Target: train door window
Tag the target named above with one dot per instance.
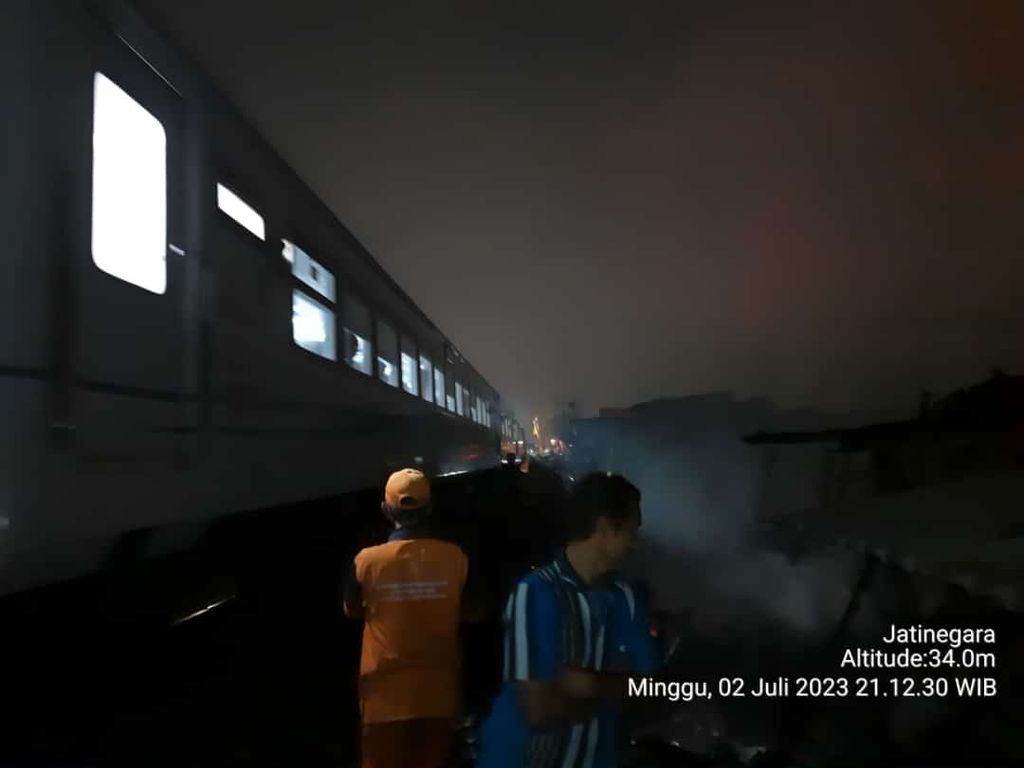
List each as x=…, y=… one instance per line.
x=129, y=188
x=410, y=378
x=358, y=349
x=426, y=379
x=240, y=211
x=387, y=353
x=439, y=387
x=313, y=326
x=309, y=271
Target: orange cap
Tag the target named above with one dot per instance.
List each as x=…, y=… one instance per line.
x=407, y=489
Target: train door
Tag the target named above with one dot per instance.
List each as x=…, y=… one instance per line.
x=132, y=278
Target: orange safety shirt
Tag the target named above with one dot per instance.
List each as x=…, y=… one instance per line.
x=411, y=590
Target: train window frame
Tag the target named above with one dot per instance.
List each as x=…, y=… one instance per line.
x=309, y=271
x=116, y=181
x=359, y=338
x=426, y=373
x=330, y=350
x=408, y=365
x=387, y=342
x=239, y=210
x=440, y=387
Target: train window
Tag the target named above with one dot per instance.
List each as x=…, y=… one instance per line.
x=313, y=326
x=240, y=211
x=439, y=387
x=387, y=353
x=460, y=403
x=410, y=378
x=426, y=379
x=358, y=349
x=449, y=402
x=309, y=271
x=129, y=188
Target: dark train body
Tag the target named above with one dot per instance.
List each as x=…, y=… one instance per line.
x=186, y=331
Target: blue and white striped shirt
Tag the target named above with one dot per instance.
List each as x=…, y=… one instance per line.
x=552, y=620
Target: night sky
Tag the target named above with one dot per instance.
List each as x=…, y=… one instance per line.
x=819, y=202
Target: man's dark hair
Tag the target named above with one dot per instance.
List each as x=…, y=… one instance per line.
x=597, y=495
x=405, y=516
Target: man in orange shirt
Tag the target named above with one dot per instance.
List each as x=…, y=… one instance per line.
x=409, y=593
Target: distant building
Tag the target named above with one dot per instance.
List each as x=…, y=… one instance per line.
x=942, y=493
x=978, y=430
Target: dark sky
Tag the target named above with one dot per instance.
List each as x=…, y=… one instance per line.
x=822, y=202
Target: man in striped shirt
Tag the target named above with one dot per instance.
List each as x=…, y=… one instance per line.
x=574, y=631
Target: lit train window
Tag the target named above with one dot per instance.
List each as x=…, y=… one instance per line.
x=310, y=272
x=460, y=404
x=358, y=349
x=410, y=378
x=313, y=326
x=387, y=353
x=450, y=402
x=439, y=387
x=129, y=189
x=426, y=379
x=357, y=352
x=240, y=211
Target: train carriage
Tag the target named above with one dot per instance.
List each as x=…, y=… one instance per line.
x=186, y=331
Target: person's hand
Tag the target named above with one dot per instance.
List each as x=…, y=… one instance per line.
x=578, y=683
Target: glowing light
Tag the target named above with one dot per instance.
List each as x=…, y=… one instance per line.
x=309, y=270
x=201, y=611
x=240, y=211
x=358, y=352
x=312, y=326
x=409, y=377
x=387, y=371
x=129, y=189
